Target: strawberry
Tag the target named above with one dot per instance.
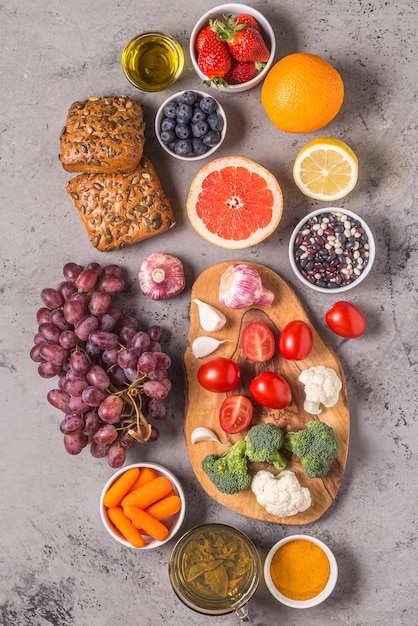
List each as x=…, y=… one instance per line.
x=214, y=59
x=240, y=72
x=249, y=20
x=245, y=43
x=203, y=36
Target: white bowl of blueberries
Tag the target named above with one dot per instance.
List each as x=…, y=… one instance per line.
x=190, y=125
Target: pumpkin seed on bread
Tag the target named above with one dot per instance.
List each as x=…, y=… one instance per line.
x=118, y=210
x=102, y=135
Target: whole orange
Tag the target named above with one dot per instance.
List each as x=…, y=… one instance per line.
x=302, y=93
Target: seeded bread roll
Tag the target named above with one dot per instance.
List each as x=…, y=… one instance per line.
x=118, y=210
x=102, y=135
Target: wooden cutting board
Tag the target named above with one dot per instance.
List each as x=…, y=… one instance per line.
x=202, y=407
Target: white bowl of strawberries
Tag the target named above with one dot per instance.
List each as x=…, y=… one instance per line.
x=232, y=47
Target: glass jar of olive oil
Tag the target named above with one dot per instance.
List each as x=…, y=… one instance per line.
x=152, y=61
x=215, y=569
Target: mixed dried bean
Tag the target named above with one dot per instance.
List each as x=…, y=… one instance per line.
x=331, y=250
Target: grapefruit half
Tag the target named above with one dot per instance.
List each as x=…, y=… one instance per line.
x=234, y=202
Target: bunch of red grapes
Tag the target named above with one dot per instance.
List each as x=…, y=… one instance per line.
x=111, y=375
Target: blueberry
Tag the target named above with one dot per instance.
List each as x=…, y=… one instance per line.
x=168, y=136
x=187, y=97
x=170, y=109
x=198, y=116
x=190, y=125
x=199, y=147
x=212, y=138
x=168, y=123
x=184, y=112
x=183, y=147
x=208, y=105
x=215, y=122
x=199, y=129
x=182, y=131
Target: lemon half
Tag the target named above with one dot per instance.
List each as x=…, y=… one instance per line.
x=326, y=169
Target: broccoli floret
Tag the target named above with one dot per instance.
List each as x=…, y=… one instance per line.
x=316, y=447
x=229, y=471
x=263, y=444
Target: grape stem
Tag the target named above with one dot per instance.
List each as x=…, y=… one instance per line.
x=131, y=395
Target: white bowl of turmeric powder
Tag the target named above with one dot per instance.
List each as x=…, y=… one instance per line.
x=300, y=571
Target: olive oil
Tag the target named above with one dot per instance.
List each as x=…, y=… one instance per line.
x=152, y=61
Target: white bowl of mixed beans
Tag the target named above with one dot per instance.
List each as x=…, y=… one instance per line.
x=332, y=250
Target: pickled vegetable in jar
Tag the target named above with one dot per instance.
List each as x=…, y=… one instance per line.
x=214, y=569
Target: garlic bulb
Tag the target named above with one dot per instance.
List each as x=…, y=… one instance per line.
x=161, y=276
x=240, y=286
x=210, y=318
x=202, y=346
x=201, y=433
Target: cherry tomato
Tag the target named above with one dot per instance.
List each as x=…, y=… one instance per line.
x=258, y=342
x=219, y=375
x=271, y=390
x=296, y=340
x=346, y=319
x=235, y=414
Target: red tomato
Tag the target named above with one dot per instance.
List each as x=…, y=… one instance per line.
x=296, y=340
x=271, y=390
x=219, y=375
x=258, y=342
x=346, y=319
x=235, y=414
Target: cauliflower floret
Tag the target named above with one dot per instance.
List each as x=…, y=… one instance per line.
x=322, y=386
x=280, y=495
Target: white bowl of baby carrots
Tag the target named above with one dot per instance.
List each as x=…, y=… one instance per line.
x=142, y=506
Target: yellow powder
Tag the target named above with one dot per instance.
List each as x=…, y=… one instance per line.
x=300, y=569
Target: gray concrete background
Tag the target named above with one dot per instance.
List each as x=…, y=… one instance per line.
x=58, y=566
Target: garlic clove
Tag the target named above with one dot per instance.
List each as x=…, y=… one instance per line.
x=210, y=318
x=161, y=276
x=201, y=433
x=202, y=346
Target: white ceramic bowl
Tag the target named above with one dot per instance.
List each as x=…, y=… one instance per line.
x=301, y=604
x=173, y=523
x=235, y=9
x=161, y=115
x=364, y=269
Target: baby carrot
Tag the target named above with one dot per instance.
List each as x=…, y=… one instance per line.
x=125, y=526
x=148, y=524
x=149, y=493
x=120, y=487
x=165, y=507
x=145, y=475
